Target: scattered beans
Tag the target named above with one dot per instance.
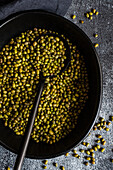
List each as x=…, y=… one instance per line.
x=92, y=154
x=55, y=164
x=84, y=143
x=87, y=152
x=81, y=21
x=87, y=144
x=91, y=13
x=88, y=158
x=102, y=119
x=97, y=13
x=99, y=136
x=75, y=155
x=103, y=143
x=45, y=162
x=96, y=45
x=62, y=168
x=107, y=129
x=104, y=123
x=87, y=15
x=93, y=159
x=99, y=128
x=111, y=118
x=74, y=151
x=103, y=127
x=98, y=141
x=73, y=16
x=8, y=168
x=108, y=123
x=86, y=163
x=95, y=148
x=94, y=128
x=90, y=17
x=101, y=124
x=66, y=154
x=82, y=150
x=102, y=139
x=91, y=150
x=44, y=167
x=98, y=124
x=94, y=11
x=98, y=146
x=93, y=162
x=102, y=149
x=89, y=134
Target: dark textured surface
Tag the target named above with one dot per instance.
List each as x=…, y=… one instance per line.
x=3, y=2
x=58, y=6
x=103, y=25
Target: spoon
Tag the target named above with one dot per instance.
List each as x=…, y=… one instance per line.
x=29, y=127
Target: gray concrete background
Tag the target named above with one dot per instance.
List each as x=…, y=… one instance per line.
x=103, y=26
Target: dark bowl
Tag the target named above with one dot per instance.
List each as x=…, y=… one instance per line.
x=30, y=19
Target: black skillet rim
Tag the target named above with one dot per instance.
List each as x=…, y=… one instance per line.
x=16, y=15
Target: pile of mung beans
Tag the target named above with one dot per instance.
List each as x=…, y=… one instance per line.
x=63, y=96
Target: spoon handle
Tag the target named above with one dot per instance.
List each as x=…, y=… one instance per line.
x=26, y=137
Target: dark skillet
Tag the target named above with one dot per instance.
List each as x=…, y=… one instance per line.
x=41, y=19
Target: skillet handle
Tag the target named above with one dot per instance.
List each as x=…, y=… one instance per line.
x=26, y=137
